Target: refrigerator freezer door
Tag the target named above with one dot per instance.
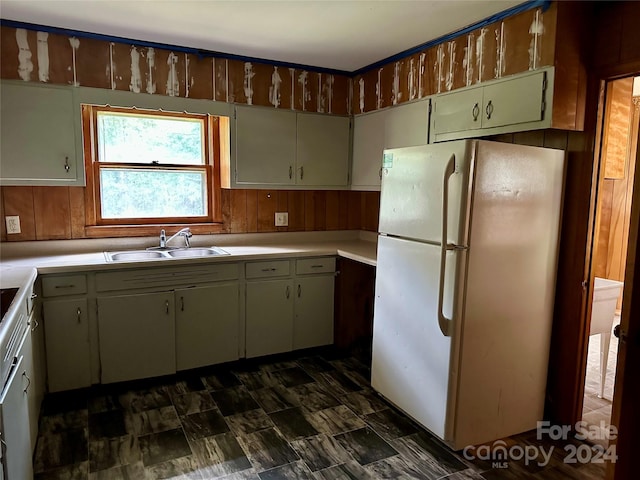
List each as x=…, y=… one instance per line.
x=410, y=365
x=412, y=183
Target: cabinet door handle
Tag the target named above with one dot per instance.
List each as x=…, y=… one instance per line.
x=24, y=374
x=166, y=306
x=290, y=172
x=475, y=112
x=288, y=291
x=301, y=173
x=181, y=304
x=79, y=313
x=380, y=173
x=299, y=290
x=67, y=167
x=489, y=110
x=36, y=324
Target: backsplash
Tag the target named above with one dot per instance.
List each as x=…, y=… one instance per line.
x=57, y=213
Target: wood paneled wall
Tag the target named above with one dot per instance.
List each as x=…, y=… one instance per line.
x=35, y=56
x=519, y=43
x=56, y=213
x=619, y=147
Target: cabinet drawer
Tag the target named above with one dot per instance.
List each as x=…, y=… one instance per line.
x=64, y=285
x=315, y=265
x=278, y=268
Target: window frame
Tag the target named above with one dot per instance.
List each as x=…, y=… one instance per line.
x=96, y=225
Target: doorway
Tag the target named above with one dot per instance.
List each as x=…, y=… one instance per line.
x=621, y=120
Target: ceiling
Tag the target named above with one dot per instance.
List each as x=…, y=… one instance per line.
x=335, y=34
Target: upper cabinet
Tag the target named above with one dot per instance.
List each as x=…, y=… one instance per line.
x=401, y=126
x=519, y=103
x=38, y=135
x=294, y=150
x=265, y=146
x=322, y=150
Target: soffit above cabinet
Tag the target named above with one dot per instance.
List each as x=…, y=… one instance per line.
x=341, y=35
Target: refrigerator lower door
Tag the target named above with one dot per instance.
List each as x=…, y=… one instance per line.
x=411, y=364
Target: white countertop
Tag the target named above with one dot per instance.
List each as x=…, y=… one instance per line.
x=85, y=255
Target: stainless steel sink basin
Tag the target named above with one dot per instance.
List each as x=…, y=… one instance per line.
x=137, y=255
x=134, y=255
x=196, y=252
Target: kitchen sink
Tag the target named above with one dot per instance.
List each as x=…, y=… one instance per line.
x=136, y=255
x=196, y=252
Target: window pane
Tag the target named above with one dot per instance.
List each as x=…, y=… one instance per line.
x=145, y=193
x=125, y=138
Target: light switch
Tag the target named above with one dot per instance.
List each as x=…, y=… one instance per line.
x=13, y=223
x=282, y=219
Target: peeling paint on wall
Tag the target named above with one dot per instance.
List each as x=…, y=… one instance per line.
x=112, y=69
x=151, y=64
x=480, y=54
x=500, y=47
x=329, y=87
x=173, y=84
x=274, y=89
x=320, y=99
x=25, y=65
x=306, y=94
x=411, y=76
x=135, y=83
x=361, y=94
x=43, y=56
x=451, y=55
x=535, y=30
x=423, y=57
x=396, y=94
x=437, y=67
x=467, y=61
x=75, y=45
x=292, y=75
x=379, y=90
x=248, y=82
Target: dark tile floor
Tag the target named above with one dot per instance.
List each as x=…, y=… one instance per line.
x=310, y=416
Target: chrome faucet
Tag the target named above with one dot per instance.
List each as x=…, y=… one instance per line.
x=185, y=232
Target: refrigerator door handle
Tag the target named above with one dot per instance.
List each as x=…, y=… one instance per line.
x=444, y=322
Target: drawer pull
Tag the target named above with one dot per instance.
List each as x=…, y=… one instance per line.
x=317, y=266
x=70, y=285
x=79, y=313
x=268, y=269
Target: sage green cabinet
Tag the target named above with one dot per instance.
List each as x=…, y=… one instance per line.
x=322, y=150
x=66, y=324
x=38, y=131
x=137, y=336
x=269, y=317
x=283, y=148
x=207, y=325
x=313, y=323
x=518, y=103
x=407, y=125
x=368, y=145
x=265, y=146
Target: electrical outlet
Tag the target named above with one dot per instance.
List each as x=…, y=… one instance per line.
x=13, y=223
x=282, y=219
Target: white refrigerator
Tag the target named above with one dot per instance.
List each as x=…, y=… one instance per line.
x=465, y=285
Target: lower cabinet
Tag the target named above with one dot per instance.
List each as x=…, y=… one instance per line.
x=206, y=325
x=67, y=344
x=313, y=323
x=269, y=317
x=16, y=439
x=136, y=336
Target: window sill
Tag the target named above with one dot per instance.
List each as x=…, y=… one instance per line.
x=103, y=231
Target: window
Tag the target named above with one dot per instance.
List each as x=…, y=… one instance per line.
x=150, y=167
